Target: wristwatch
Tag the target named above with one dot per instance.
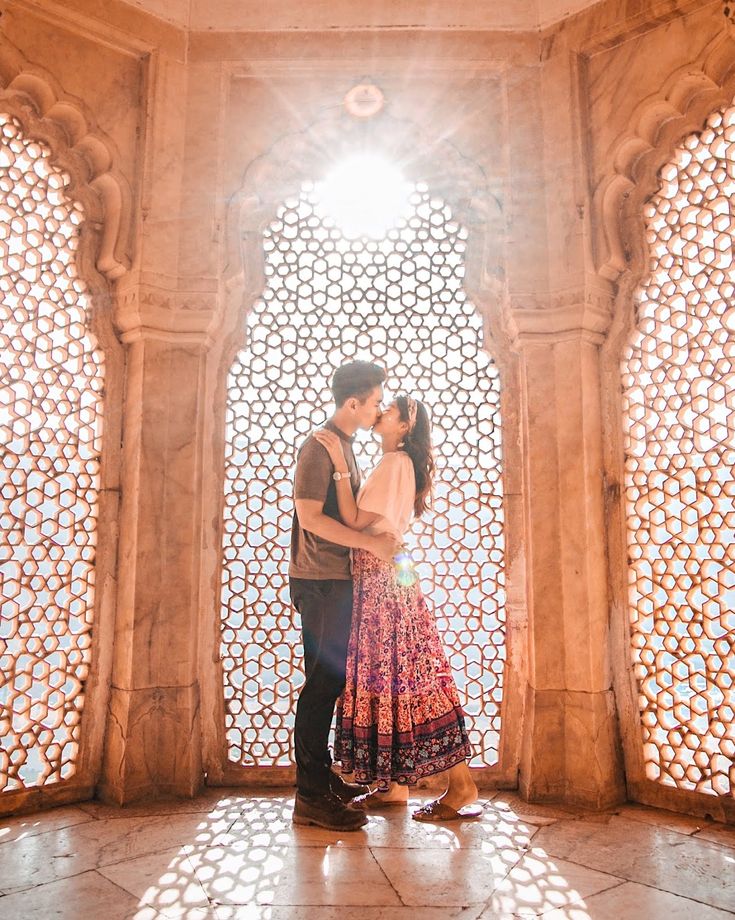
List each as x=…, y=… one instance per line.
x=337, y=476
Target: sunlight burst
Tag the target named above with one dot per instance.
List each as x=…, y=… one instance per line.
x=364, y=195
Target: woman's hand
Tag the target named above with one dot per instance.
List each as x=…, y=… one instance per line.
x=333, y=444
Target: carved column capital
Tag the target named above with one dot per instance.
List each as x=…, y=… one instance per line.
x=583, y=312
x=180, y=311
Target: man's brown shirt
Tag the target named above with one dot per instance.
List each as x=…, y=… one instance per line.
x=311, y=556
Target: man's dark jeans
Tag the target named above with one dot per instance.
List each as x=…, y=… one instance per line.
x=326, y=613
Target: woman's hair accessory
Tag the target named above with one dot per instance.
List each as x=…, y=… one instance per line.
x=412, y=410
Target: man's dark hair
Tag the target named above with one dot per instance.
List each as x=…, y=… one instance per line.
x=358, y=379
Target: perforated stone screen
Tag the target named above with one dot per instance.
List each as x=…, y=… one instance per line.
x=50, y=427
x=679, y=407
x=328, y=300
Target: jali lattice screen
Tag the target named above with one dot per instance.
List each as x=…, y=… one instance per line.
x=50, y=427
x=328, y=300
x=679, y=405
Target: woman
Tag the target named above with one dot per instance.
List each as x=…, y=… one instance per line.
x=399, y=718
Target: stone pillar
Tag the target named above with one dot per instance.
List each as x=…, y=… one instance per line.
x=571, y=748
x=153, y=738
x=153, y=743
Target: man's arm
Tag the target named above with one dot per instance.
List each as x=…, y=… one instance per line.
x=312, y=518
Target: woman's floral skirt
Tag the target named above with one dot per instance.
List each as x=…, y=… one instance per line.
x=399, y=717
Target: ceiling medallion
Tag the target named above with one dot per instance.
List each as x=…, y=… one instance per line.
x=364, y=100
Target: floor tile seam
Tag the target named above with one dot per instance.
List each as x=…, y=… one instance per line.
x=572, y=819
x=54, y=881
x=619, y=882
x=100, y=864
x=438, y=847
x=91, y=806
x=239, y=817
x=52, y=830
x=154, y=814
x=155, y=916
x=564, y=816
x=620, y=879
x=193, y=873
x=42, y=813
x=120, y=888
x=360, y=844
x=686, y=897
x=636, y=881
x=583, y=818
x=572, y=904
x=84, y=824
x=317, y=905
x=727, y=846
x=691, y=835
x=523, y=852
x=383, y=873
x=142, y=904
x=537, y=830
x=673, y=830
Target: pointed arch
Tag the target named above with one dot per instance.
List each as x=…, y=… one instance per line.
x=101, y=197
x=307, y=154
x=476, y=202
x=658, y=125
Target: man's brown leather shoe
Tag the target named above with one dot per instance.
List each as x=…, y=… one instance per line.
x=326, y=810
x=344, y=791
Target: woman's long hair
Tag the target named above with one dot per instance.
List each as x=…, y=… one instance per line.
x=417, y=444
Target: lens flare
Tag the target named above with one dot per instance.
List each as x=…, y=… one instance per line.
x=364, y=195
x=406, y=575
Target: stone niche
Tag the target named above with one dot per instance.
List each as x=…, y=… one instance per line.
x=182, y=136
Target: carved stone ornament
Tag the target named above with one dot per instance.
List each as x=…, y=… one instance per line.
x=84, y=152
x=364, y=100
x=656, y=128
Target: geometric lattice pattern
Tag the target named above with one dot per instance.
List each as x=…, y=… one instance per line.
x=50, y=427
x=679, y=409
x=330, y=299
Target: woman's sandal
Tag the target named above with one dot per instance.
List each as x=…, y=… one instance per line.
x=435, y=812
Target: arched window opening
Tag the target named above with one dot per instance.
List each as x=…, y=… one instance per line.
x=330, y=299
x=679, y=411
x=50, y=433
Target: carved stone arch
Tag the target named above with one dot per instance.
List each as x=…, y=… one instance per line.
x=660, y=124
x=49, y=115
x=657, y=127
x=475, y=198
x=308, y=154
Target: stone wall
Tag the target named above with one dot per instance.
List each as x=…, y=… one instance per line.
x=551, y=142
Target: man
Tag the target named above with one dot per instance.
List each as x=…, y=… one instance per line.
x=321, y=591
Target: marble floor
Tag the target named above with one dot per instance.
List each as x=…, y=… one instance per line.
x=230, y=855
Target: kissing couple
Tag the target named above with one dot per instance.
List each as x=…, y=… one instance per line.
x=371, y=645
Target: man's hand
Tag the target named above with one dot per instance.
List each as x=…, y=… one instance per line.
x=385, y=546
